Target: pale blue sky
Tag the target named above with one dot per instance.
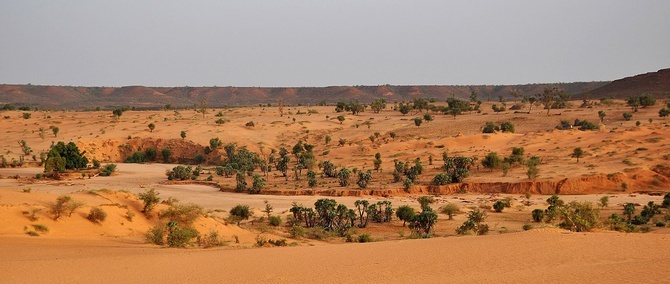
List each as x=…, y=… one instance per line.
x=321, y=43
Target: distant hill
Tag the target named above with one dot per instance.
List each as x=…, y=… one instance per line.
x=656, y=83
x=68, y=97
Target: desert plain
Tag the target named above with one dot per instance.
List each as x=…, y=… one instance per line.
x=624, y=160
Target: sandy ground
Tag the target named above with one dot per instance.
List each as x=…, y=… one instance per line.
x=539, y=256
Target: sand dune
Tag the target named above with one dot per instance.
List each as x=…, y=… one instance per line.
x=541, y=256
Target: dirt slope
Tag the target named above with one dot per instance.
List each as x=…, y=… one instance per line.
x=657, y=83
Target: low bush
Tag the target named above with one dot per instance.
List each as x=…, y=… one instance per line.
x=180, y=236
x=182, y=213
x=275, y=220
x=365, y=238
x=41, y=228
x=498, y=206
x=108, y=170
x=538, y=215
x=97, y=215
x=137, y=157
x=213, y=239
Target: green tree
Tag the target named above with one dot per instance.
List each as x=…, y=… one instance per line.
x=577, y=153
x=257, y=184
x=183, y=134
x=378, y=105
x=166, y=154
x=664, y=112
x=215, y=143
x=629, y=210
x=498, y=206
x=441, y=179
x=423, y=222
x=67, y=155
x=627, y=116
x=344, y=176
x=240, y=212
x=340, y=118
x=364, y=178
x=152, y=127
x=311, y=178
x=418, y=121
x=491, y=161
x=150, y=199
x=425, y=202
x=450, y=209
x=377, y=162
x=404, y=108
x=405, y=213
x=241, y=182
x=55, y=130
x=538, y=215
x=633, y=102
x=117, y=113
x=601, y=115
x=604, y=201
x=474, y=223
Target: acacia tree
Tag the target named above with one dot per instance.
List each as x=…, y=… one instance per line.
x=577, y=153
x=405, y=213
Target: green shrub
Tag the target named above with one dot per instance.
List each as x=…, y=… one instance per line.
x=182, y=213
x=241, y=211
x=365, y=238
x=538, y=215
x=150, y=199
x=450, y=209
x=507, y=127
x=579, y=216
x=297, y=232
x=41, y=228
x=405, y=213
x=275, y=220
x=137, y=157
x=211, y=240
x=441, y=179
x=474, y=225
x=180, y=173
x=64, y=204
x=498, y=206
x=156, y=235
x=180, y=236
x=107, y=170
x=527, y=227
x=32, y=233
x=97, y=215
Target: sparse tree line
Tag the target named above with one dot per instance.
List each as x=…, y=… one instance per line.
x=584, y=216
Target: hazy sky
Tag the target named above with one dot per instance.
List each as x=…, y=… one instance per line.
x=321, y=43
